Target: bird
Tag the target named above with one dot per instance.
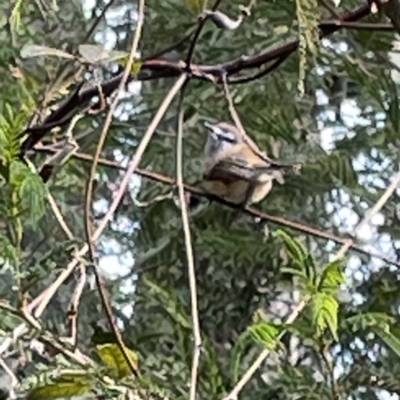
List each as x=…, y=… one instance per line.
x=235, y=169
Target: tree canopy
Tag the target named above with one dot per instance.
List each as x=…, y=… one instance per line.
x=112, y=286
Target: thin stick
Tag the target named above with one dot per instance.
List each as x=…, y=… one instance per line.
x=50, y=292
x=239, y=126
x=189, y=251
x=292, y=317
x=196, y=36
x=19, y=330
x=89, y=190
x=309, y=230
x=72, y=317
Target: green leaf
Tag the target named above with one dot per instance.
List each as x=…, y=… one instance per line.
x=237, y=351
x=8, y=252
x=295, y=249
x=114, y=359
x=295, y=272
x=170, y=305
x=390, y=340
x=155, y=249
x=18, y=173
x=367, y=320
x=11, y=126
x=265, y=333
x=64, y=386
x=136, y=65
x=324, y=309
x=331, y=278
x=32, y=193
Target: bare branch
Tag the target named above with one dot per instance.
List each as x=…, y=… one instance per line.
x=309, y=230
x=89, y=190
x=189, y=250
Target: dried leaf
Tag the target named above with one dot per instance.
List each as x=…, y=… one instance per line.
x=33, y=50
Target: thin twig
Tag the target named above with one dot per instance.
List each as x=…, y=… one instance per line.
x=293, y=316
x=171, y=47
x=161, y=68
x=9, y=372
x=89, y=189
x=50, y=292
x=18, y=331
x=197, y=35
x=72, y=316
x=259, y=74
x=60, y=219
x=309, y=230
x=189, y=250
x=236, y=119
x=331, y=372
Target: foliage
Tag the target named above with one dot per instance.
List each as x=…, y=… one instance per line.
x=270, y=285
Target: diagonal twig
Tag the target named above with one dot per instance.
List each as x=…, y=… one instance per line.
x=89, y=189
x=189, y=250
x=293, y=316
x=196, y=36
x=161, y=68
x=20, y=329
x=252, y=145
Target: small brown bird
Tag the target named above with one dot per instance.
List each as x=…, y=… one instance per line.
x=234, y=167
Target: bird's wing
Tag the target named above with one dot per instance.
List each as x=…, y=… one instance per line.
x=231, y=169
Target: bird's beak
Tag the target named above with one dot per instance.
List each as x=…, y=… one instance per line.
x=210, y=127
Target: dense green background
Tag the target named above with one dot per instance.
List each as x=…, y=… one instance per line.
x=238, y=259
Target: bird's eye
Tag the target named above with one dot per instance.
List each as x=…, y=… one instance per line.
x=224, y=135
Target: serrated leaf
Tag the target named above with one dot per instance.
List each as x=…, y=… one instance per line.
x=324, y=309
x=331, y=278
x=295, y=249
x=114, y=359
x=32, y=193
x=18, y=173
x=63, y=387
x=265, y=334
x=367, y=320
x=33, y=50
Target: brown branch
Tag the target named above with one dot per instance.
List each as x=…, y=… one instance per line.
x=72, y=315
x=189, y=249
x=259, y=74
x=160, y=68
x=309, y=230
x=359, y=26
x=196, y=37
x=89, y=194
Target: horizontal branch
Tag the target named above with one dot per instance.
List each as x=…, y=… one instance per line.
x=160, y=68
x=309, y=230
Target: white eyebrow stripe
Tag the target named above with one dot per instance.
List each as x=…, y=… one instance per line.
x=224, y=135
